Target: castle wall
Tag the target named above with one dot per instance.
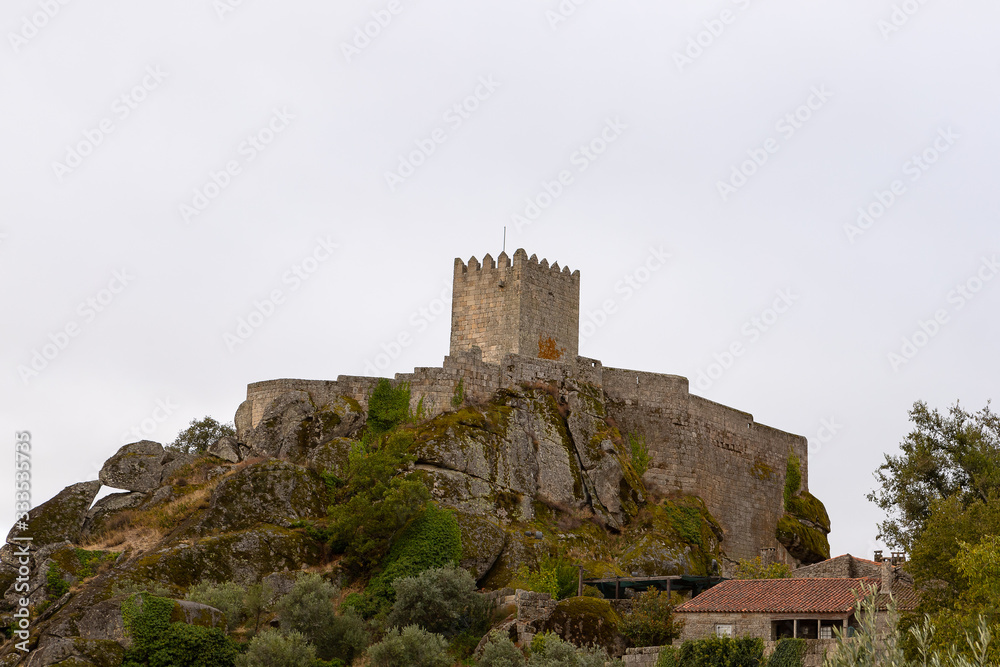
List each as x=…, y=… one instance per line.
x=700, y=447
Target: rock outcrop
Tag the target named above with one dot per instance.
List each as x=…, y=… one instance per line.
x=142, y=466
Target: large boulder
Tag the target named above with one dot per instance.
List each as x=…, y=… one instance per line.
x=61, y=518
x=76, y=652
x=135, y=467
x=107, y=507
x=483, y=541
x=244, y=557
x=270, y=492
x=293, y=425
x=226, y=448
x=586, y=621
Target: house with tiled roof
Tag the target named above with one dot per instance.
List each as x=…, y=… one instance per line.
x=808, y=606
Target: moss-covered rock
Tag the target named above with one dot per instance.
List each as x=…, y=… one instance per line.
x=483, y=541
x=61, y=518
x=293, y=425
x=586, y=621
x=244, y=557
x=331, y=456
x=137, y=466
x=808, y=509
x=270, y=492
x=805, y=543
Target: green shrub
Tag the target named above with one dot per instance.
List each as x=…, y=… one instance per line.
x=375, y=503
x=549, y=650
x=721, y=652
x=651, y=621
x=55, y=585
x=556, y=576
x=756, y=569
x=308, y=609
x=788, y=653
x=501, y=652
x=192, y=646
x=388, y=406
x=442, y=600
x=432, y=540
x=229, y=598
x=200, y=435
x=413, y=647
x=667, y=657
x=640, y=453
x=156, y=642
x=273, y=649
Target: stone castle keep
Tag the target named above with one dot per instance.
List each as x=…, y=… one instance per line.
x=516, y=321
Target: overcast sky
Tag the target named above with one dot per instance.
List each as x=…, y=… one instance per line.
x=205, y=193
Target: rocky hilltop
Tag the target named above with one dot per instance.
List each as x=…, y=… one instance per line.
x=538, y=472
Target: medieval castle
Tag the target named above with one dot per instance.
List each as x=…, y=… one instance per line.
x=516, y=320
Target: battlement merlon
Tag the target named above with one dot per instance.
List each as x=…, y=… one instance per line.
x=515, y=305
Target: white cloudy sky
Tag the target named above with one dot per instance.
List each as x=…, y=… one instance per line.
x=99, y=156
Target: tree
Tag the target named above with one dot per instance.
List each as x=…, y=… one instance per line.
x=954, y=455
x=273, y=649
x=200, y=435
x=308, y=609
x=442, y=600
x=756, y=569
x=651, y=621
x=414, y=647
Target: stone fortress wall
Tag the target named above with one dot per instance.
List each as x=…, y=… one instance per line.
x=697, y=447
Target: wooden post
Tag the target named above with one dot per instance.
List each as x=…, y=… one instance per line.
x=579, y=586
x=795, y=628
x=669, y=581
x=618, y=588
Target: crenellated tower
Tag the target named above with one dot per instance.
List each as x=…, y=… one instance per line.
x=516, y=305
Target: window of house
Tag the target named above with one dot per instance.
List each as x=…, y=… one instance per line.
x=826, y=632
x=724, y=630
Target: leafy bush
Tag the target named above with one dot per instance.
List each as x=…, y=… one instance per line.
x=793, y=479
x=375, y=503
x=229, y=598
x=308, y=609
x=200, y=435
x=156, y=642
x=442, y=600
x=651, y=621
x=721, y=652
x=640, y=453
x=388, y=407
x=788, y=653
x=273, y=649
x=432, y=540
x=413, y=647
x=756, y=569
x=667, y=657
x=192, y=646
x=549, y=650
x=55, y=585
x=501, y=652
x=556, y=576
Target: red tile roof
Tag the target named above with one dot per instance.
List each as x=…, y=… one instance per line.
x=792, y=596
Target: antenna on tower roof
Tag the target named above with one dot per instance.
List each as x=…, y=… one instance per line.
x=504, y=238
